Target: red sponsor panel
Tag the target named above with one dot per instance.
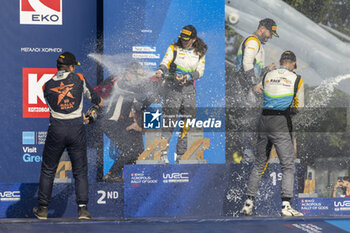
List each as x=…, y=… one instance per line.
x=34, y=105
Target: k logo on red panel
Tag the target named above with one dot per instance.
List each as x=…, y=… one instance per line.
x=34, y=105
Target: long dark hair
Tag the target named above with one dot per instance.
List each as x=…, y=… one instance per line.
x=199, y=46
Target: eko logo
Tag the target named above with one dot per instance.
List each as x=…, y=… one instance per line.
x=34, y=105
x=46, y=12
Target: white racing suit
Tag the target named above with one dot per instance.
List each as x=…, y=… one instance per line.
x=180, y=99
x=250, y=63
x=283, y=95
x=242, y=103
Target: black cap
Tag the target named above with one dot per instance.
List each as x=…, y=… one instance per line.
x=270, y=25
x=288, y=55
x=67, y=58
x=188, y=32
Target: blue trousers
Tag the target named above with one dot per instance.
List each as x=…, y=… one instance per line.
x=61, y=137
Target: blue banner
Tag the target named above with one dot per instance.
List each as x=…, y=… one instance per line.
x=143, y=32
x=33, y=37
x=174, y=190
x=199, y=190
x=18, y=200
x=324, y=206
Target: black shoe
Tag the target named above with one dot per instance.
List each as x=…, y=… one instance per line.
x=110, y=177
x=40, y=212
x=83, y=212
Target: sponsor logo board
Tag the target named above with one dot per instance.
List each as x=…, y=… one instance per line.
x=34, y=105
x=41, y=12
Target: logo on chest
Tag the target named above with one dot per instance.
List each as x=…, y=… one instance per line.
x=65, y=97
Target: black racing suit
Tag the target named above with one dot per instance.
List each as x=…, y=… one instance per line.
x=121, y=100
x=64, y=96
